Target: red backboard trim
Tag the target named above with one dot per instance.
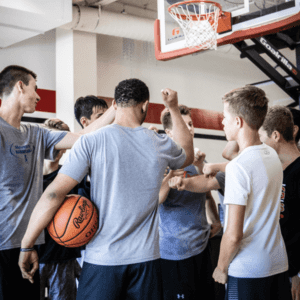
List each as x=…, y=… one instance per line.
x=235, y=37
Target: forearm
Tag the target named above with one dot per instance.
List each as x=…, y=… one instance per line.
x=211, y=209
x=229, y=248
x=200, y=184
x=164, y=190
x=220, y=167
x=41, y=216
x=181, y=135
x=106, y=119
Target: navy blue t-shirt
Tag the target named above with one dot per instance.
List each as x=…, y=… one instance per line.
x=183, y=227
x=290, y=215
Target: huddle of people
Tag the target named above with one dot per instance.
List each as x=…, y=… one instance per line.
x=153, y=236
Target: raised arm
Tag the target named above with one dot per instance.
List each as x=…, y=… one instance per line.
x=181, y=134
x=69, y=140
x=41, y=216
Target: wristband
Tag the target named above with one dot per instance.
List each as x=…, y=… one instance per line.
x=26, y=249
x=298, y=274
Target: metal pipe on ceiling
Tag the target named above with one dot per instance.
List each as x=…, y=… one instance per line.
x=110, y=23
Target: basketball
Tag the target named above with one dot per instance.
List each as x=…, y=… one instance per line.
x=75, y=222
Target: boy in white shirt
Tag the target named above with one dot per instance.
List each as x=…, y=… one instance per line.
x=253, y=260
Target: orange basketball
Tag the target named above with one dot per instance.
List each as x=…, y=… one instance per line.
x=75, y=222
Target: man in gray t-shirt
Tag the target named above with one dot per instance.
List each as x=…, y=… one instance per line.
x=23, y=149
x=127, y=164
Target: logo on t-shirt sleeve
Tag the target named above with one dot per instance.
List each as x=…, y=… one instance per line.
x=282, y=198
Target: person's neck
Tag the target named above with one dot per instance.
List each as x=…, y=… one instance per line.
x=247, y=139
x=288, y=153
x=127, y=117
x=50, y=166
x=11, y=113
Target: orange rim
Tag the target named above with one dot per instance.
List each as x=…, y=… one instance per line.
x=183, y=17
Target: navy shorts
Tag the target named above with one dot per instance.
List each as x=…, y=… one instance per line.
x=59, y=279
x=12, y=284
x=189, y=278
x=276, y=287
x=135, y=281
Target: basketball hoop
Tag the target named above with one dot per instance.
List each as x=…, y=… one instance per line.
x=199, y=22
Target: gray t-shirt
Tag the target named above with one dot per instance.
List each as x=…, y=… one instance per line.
x=127, y=167
x=22, y=155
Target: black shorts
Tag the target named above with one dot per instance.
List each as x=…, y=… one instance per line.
x=12, y=284
x=276, y=287
x=189, y=278
x=140, y=281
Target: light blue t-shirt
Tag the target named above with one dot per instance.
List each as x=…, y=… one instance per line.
x=183, y=227
x=127, y=168
x=22, y=153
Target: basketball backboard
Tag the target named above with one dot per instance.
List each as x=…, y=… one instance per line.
x=249, y=19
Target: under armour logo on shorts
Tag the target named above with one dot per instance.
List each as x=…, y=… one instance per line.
x=180, y=296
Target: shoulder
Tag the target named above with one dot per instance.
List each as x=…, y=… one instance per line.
x=292, y=172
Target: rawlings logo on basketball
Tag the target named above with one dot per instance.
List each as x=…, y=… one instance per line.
x=83, y=214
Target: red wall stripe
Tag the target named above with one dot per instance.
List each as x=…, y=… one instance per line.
x=202, y=118
x=47, y=102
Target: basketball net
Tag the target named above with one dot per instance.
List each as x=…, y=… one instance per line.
x=199, y=22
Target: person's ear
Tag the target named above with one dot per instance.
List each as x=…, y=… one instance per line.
x=145, y=106
x=295, y=131
x=20, y=86
x=239, y=121
x=83, y=121
x=114, y=104
x=276, y=136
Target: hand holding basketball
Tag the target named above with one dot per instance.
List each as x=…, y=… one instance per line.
x=170, y=98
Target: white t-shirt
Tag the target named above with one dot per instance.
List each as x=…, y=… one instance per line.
x=254, y=179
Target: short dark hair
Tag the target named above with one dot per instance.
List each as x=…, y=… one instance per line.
x=279, y=118
x=131, y=92
x=166, y=119
x=296, y=119
x=249, y=103
x=53, y=124
x=84, y=106
x=10, y=75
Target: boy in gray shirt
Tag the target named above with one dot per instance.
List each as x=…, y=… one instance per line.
x=23, y=149
x=127, y=165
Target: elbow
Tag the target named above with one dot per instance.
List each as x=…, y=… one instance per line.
x=236, y=239
x=189, y=157
x=226, y=155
